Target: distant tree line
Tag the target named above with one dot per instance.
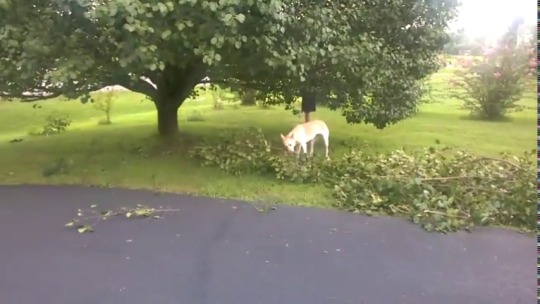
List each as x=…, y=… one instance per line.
x=460, y=43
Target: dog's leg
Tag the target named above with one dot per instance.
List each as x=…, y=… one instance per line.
x=297, y=150
x=326, y=143
x=304, y=147
x=312, y=144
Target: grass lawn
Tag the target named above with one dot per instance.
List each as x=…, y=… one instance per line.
x=128, y=154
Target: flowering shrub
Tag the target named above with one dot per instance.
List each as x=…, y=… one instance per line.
x=491, y=85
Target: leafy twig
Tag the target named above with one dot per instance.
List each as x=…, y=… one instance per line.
x=497, y=160
x=140, y=211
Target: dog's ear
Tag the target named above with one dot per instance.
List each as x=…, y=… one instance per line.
x=282, y=136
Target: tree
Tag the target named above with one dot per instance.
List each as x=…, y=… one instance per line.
x=104, y=103
x=491, y=86
x=248, y=97
x=369, y=56
x=460, y=43
x=457, y=42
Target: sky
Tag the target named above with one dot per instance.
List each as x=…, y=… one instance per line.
x=492, y=17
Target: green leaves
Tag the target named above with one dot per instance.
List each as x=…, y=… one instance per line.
x=237, y=155
x=85, y=228
x=240, y=18
x=366, y=58
x=163, y=9
x=227, y=18
x=441, y=189
x=82, y=225
x=438, y=188
x=165, y=34
x=490, y=87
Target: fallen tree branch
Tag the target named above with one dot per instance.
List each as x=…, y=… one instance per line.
x=497, y=160
x=140, y=211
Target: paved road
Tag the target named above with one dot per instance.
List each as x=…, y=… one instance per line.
x=226, y=252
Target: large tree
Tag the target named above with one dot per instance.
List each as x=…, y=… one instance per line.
x=368, y=57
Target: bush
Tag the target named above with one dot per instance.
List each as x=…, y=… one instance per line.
x=439, y=188
x=238, y=153
x=248, y=97
x=55, y=123
x=491, y=86
x=57, y=167
x=104, y=103
x=301, y=170
x=195, y=115
x=251, y=97
x=218, y=104
x=218, y=98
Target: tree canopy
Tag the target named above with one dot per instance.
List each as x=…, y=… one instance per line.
x=366, y=56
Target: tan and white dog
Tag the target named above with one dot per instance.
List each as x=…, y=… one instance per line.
x=306, y=132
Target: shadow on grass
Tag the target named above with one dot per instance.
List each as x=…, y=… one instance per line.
x=481, y=118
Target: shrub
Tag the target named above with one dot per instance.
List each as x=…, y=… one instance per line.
x=55, y=123
x=303, y=169
x=218, y=98
x=195, y=115
x=57, y=167
x=438, y=188
x=491, y=86
x=251, y=97
x=237, y=153
x=218, y=104
x=248, y=97
x=104, y=103
x=263, y=105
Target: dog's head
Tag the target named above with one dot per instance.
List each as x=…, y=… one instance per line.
x=288, y=142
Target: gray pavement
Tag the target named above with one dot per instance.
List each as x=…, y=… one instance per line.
x=225, y=252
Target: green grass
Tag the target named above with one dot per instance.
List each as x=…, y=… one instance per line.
x=128, y=154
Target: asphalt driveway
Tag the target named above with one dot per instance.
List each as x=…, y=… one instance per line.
x=226, y=252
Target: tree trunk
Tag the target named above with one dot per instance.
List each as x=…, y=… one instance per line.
x=249, y=97
x=306, y=117
x=173, y=87
x=308, y=103
x=167, y=118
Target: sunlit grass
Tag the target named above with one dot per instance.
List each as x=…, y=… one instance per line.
x=128, y=154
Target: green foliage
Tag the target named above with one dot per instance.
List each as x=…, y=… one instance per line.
x=368, y=56
x=248, y=97
x=55, y=123
x=217, y=97
x=238, y=153
x=439, y=188
x=302, y=169
x=57, y=167
x=15, y=140
x=491, y=87
x=87, y=219
x=104, y=103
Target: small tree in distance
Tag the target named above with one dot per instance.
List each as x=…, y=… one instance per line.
x=248, y=97
x=491, y=86
x=104, y=103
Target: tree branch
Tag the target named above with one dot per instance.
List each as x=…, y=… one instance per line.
x=30, y=97
x=137, y=85
x=260, y=86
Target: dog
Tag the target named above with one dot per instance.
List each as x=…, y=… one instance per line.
x=306, y=132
